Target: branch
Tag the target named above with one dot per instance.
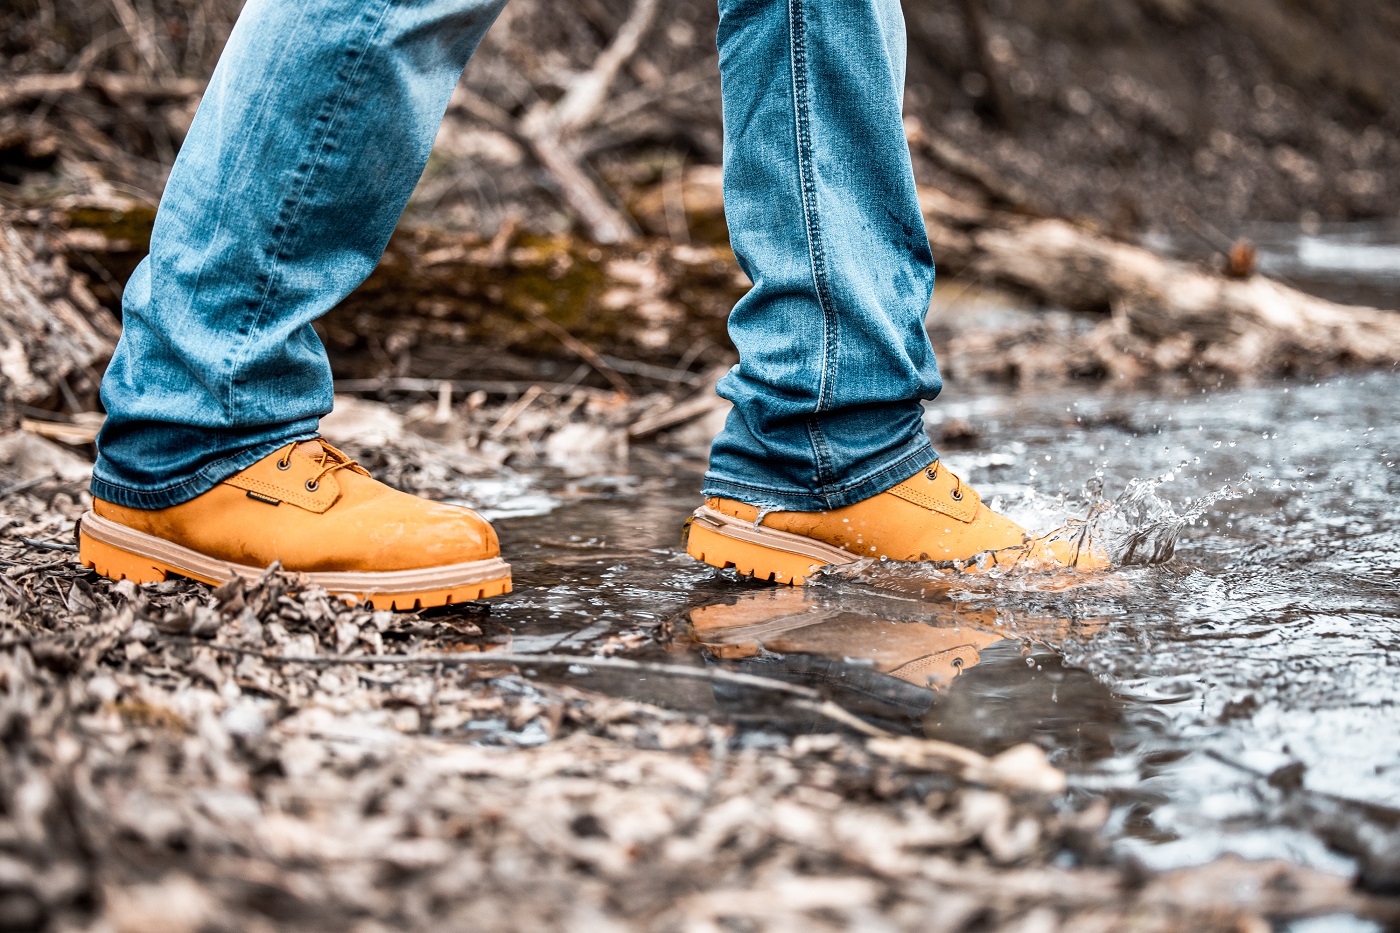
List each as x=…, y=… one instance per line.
x=604, y=223
x=142, y=38
x=801, y=697
x=581, y=103
x=584, y=352
x=545, y=128
x=19, y=88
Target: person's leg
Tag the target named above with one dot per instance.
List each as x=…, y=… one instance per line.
x=824, y=459
x=824, y=218
x=313, y=132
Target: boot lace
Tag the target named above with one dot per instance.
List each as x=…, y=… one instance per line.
x=330, y=460
x=932, y=474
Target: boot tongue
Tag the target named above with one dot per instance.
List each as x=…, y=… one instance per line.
x=311, y=448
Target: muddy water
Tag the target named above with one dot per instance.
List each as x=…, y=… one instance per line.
x=1241, y=694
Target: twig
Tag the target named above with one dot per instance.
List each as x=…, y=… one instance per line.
x=26, y=485
x=49, y=545
x=673, y=197
x=835, y=713
x=465, y=100
x=142, y=39
x=671, y=375
x=603, y=222
x=803, y=697
x=1371, y=809
x=584, y=351
x=515, y=411
x=443, y=413
x=465, y=386
x=957, y=161
x=500, y=243
x=689, y=410
x=14, y=90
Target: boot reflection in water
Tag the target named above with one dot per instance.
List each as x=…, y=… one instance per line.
x=962, y=677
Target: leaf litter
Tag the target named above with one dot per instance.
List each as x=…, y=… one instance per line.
x=266, y=757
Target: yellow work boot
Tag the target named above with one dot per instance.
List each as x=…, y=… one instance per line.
x=931, y=516
x=320, y=514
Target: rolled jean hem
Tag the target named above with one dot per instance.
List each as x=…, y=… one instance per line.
x=884, y=477
x=209, y=476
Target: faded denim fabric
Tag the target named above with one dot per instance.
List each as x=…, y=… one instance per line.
x=823, y=214
x=314, y=130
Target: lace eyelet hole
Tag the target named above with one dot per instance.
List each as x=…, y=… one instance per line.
x=931, y=473
x=957, y=495
x=284, y=464
x=312, y=485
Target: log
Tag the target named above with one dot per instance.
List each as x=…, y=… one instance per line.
x=1244, y=326
x=51, y=327
x=1157, y=315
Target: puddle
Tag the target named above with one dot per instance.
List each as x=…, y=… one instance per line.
x=1241, y=697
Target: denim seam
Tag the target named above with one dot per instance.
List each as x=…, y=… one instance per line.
x=816, y=252
x=208, y=476
x=290, y=210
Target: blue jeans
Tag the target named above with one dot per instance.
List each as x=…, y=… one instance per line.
x=314, y=130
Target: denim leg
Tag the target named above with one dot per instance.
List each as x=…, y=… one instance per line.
x=824, y=217
x=315, y=127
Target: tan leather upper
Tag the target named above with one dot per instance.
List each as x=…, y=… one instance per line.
x=933, y=515
x=313, y=510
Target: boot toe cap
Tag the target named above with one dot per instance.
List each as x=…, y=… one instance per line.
x=440, y=535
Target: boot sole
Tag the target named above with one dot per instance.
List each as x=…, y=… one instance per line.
x=121, y=553
x=754, y=551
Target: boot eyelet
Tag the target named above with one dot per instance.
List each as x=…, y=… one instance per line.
x=931, y=473
x=956, y=494
x=284, y=464
x=312, y=485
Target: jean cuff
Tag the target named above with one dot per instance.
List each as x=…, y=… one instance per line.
x=208, y=476
x=879, y=479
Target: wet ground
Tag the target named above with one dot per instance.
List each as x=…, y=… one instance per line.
x=1237, y=695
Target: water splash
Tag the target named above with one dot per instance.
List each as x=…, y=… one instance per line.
x=1141, y=526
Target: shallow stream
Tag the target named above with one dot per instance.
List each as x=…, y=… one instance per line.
x=1242, y=695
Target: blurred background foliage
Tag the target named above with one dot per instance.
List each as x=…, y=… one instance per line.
x=1138, y=114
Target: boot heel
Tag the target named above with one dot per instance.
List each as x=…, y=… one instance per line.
x=116, y=564
x=752, y=560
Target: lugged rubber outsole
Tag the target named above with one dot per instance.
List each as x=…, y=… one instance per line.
x=117, y=563
x=717, y=544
